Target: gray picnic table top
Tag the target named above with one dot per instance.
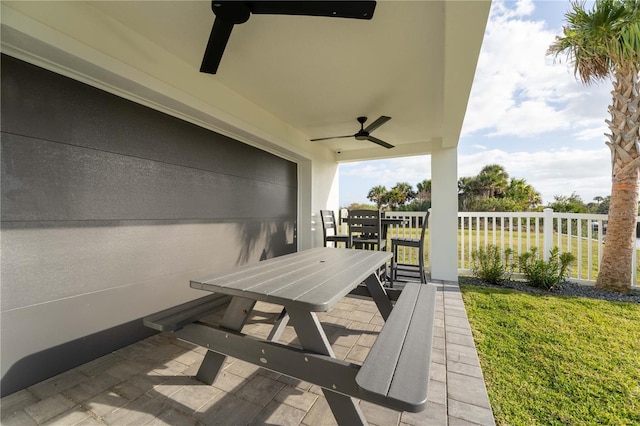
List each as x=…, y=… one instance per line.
x=313, y=280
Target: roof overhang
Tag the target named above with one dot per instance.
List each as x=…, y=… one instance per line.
x=283, y=79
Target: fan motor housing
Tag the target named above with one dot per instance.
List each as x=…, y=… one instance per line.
x=235, y=12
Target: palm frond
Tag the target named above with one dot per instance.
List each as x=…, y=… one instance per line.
x=601, y=40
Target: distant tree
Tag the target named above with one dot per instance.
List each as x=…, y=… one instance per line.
x=568, y=204
x=492, y=204
x=466, y=193
x=600, y=205
x=492, y=181
x=416, y=206
x=358, y=206
x=604, y=43
x=424, y=190
x=377, y=195
x=523, y=194
x=406, y=190
x=395, y=198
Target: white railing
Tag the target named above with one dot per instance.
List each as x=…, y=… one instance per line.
x=580, y=234
x=570, y=232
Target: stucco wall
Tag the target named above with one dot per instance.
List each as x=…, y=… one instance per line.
x=108, y=209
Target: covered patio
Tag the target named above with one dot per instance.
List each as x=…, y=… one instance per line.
x=126, y=171
x=151, y=382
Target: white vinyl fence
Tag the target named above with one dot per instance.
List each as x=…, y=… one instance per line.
x=584, y=235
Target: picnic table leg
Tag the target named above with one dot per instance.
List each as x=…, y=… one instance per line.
x=379, y=295
x=279, y=326
x=312, y=338
x=235, y=317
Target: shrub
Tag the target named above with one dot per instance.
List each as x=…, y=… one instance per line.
x=543, y=274
x=487, y=264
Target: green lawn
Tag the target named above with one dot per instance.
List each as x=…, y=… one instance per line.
x=550, y=360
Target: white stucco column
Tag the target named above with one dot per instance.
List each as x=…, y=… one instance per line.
x=443, y=222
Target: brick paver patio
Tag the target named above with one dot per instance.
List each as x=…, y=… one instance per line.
x=151, y=382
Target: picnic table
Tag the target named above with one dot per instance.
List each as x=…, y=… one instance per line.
x=395, y=374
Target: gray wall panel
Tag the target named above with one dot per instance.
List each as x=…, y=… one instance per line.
x=108, y=209
x=52, y=181
x=42, y=264
x=96, y=119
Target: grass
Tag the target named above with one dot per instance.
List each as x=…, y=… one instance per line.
x=551, y=360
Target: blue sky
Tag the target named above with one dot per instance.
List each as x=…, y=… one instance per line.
x=526, y=112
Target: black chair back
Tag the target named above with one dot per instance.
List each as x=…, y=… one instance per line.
x=365, y=229
x=425, y=225
x=330, y=229
x=328, y=222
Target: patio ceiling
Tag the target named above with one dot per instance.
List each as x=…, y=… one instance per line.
x=283, y=79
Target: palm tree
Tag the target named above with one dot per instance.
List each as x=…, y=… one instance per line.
x=377, y=195
x=601, y=43
x=493, y=180
x=395, y=198
x=424, y=190
x=466, y=192
x=405, y=192
x=523, y=193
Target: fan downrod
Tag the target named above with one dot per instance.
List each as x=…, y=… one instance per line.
x=361, y=135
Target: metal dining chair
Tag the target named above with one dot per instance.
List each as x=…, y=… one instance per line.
x=365, y=229
x=418, y=243
x=330, y=230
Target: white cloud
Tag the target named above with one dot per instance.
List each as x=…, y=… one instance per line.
x=518, y=89
x=522, y=8
x=592, y=133
x=389, y=172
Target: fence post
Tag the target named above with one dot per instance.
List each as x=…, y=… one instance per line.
x=547, y=235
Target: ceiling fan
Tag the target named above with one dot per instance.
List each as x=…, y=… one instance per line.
x=230, y=13
x=364, y=134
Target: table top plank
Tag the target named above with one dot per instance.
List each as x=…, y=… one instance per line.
x=315, y=279
x=346, y=270
x=247, y=276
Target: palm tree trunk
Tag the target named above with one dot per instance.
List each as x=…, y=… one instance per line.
x=615, y=270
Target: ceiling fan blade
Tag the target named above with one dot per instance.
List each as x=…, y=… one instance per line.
x=215, y=47
x=228, y=13
x=335, y=9
x=331, y=137
x=379, y=122
x=379, y=142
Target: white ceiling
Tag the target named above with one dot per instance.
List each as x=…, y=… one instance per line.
x=414, y=61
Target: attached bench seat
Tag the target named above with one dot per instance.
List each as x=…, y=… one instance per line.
x=396, y=370
x=175, y=318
